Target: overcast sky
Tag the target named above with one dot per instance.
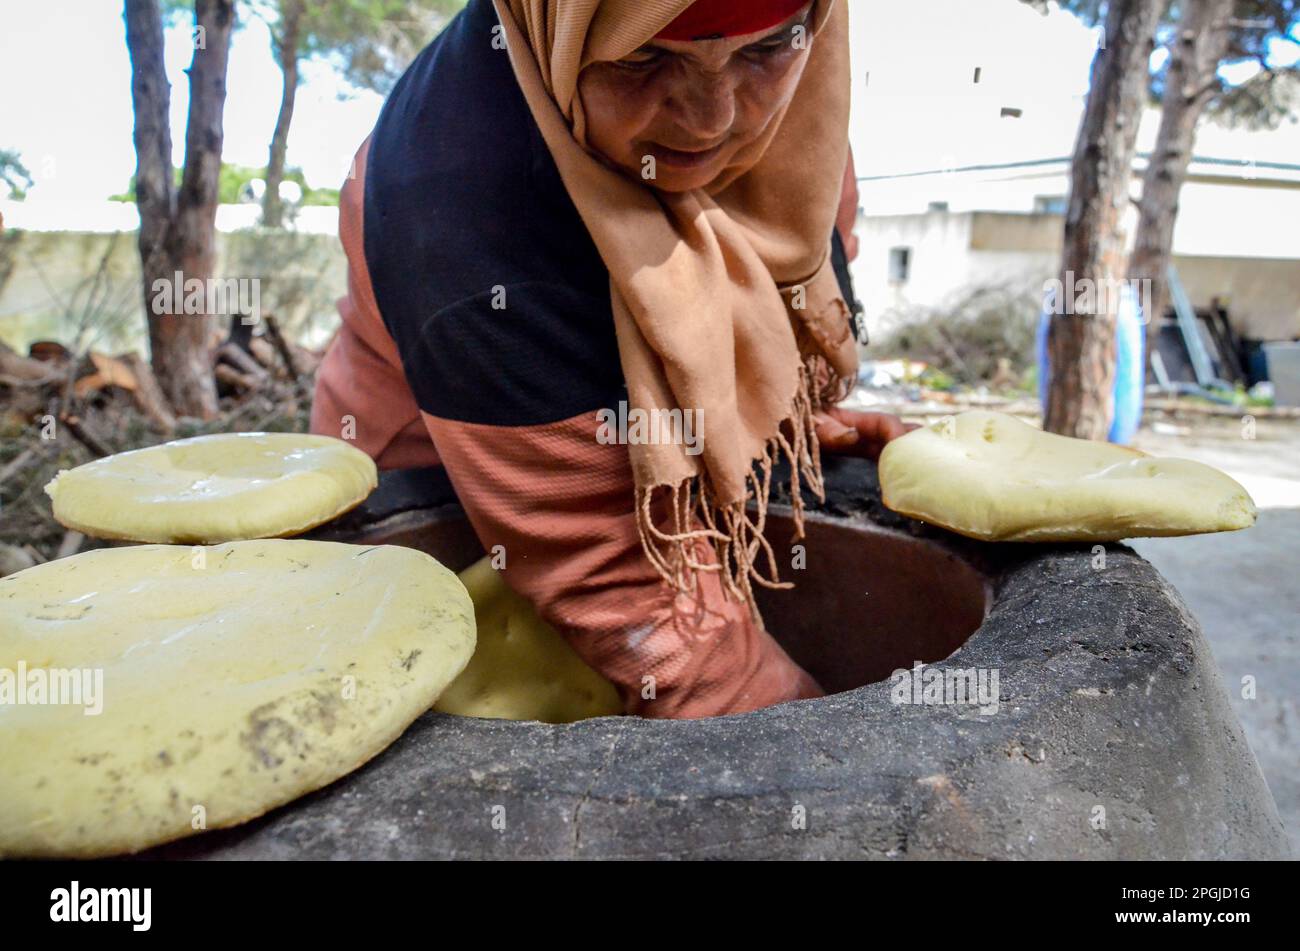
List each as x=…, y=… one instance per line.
x=66, y=105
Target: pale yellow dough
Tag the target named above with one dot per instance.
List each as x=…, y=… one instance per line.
x=992, y=477
x=217, y=488
x=522, y=668
x=234, y=679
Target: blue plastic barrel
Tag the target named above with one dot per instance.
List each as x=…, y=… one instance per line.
x=1130, y=364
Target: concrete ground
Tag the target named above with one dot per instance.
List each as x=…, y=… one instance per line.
x=1244, y=587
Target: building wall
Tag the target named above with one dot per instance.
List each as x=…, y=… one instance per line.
x=953, y=253
x=937, y=265
x=61, y=284
x=1262, y=295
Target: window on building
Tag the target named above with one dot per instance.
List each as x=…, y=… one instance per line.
x=900, y=262
x=1049, y=204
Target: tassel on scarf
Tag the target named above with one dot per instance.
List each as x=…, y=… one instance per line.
x=745, y=557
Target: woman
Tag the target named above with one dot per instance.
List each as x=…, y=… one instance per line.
x=568, y=205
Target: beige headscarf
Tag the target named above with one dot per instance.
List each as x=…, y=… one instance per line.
x=724, y=299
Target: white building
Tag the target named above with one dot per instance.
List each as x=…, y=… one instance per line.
x=931, y=236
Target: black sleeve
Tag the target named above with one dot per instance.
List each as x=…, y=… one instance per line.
x=840, y=261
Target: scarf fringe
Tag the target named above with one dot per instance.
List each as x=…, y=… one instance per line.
x=745, y=557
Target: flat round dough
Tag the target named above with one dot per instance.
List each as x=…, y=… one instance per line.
x=233, y=679
x=522, y=669
x=992, y=477
x=208, y=489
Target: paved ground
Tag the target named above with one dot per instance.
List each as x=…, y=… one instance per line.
x=1244, y=587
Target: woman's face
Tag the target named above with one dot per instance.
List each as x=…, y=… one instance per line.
x=675, y=113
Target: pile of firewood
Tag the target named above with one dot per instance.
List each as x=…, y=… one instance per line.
x=51, y=381
x=248, y=363
x=59, y=409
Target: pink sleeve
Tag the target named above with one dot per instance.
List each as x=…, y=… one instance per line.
x=361, y=390
x=847, y=216
x=560, y=506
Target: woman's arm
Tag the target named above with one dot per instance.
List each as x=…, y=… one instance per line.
x=361, y=392
x=846, y=431
x=851, y=432
x=559, y=505
x=847, y=216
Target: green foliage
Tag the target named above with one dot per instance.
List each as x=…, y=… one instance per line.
x=320, y=196
x=1251, y=399
x=1273, y=94
x=932, y=378
x=965, y=342
x=370, y=42
x=1262, y=101
x=14, y=174
x=1029, y=379
x=129, y=194
x=373, y=41
x=233, y=179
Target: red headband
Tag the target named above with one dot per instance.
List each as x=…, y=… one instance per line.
x=709, y=19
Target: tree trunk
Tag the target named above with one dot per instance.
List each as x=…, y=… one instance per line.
x=177, y=229
x=287, y=51
x=188, y=379
x=1081, y=338
x=154, y=192
x=1191, y=82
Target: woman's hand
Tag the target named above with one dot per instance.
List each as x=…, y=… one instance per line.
x=853, y=433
